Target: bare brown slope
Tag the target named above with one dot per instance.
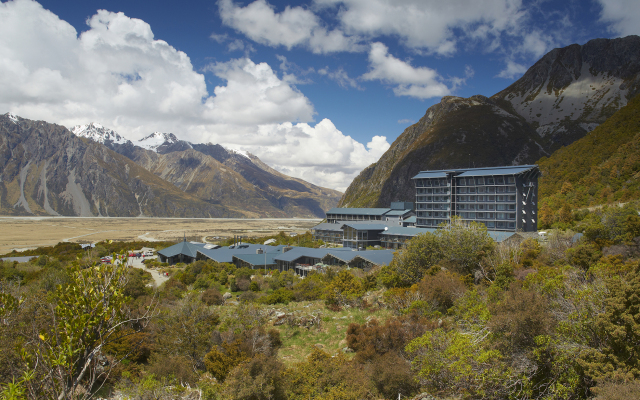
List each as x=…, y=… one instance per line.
x=239, y=184
x=45, y=169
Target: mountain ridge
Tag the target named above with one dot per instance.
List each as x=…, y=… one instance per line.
x=191, y=179
x=508, y=128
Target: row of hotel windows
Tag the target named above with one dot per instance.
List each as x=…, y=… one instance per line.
x=445, y=199
x=488, y=224
x=463, y=190
x=500, y=180
x=467, y=215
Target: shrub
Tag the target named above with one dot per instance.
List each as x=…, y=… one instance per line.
x=212, y=297
x=243, y=284
x=174, y=368
x=442, y=289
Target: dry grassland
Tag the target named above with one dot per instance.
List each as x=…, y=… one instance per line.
x=30, y=232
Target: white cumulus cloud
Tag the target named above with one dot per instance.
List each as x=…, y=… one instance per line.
x=116, y=73
x=622, y=16
x=419, y=82
x=295, y=26
x=434, y=25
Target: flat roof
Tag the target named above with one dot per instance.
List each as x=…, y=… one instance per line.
x=328, y=227
x=462, y=172
x=431, y=174
x=365, y=227
x=394, y=213
x=359, y=211
x=511, y=170
x=407, y=231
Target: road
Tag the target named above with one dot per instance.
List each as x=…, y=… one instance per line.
x=158, y=278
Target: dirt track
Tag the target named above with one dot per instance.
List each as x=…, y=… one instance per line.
x=30, y=232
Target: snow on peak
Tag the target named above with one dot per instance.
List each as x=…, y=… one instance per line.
x=242, y=153
x=98, y=133
x=155, y=140
x=12, y=117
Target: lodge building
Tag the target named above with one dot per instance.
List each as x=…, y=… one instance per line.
x=501, y=198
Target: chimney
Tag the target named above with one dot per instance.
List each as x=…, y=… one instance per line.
x=259, y=251
x=285, y=249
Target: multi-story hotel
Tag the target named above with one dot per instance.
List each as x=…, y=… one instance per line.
x=502, y=198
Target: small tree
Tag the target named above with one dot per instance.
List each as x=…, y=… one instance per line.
x=66, y=361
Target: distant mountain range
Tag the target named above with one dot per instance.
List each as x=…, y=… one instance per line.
x=91, y=170
x=566, y=94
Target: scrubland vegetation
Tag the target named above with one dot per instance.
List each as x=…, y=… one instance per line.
x=455, y=315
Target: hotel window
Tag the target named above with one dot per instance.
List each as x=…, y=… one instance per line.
x=512, y=198
x=491, y=224
x=490, y=207
x=481, y=190
x=500, y=181
x=472, y=215
x=512, y=224
x=490, y=215
x=500, y=224
x=490, y=181
x=472, y=190
x=500, y=189
x=500, y=215
x=480, y=206
x=480, y=181
x=472, y=198
x=501, y=198
x=470, y=182
x=512, y=215
x=500, y=207
x=511, y=179
x=512, y=206
x=480, y=215
x=491, y=189
x=461, y=181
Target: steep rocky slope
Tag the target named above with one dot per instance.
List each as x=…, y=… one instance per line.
x=239, y=182
x=47, y=170
x=600, y=168
x=566, y=94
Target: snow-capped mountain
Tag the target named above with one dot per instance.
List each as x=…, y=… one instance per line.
x=157, y=139
x=99, y=133
x=243, y=153
x=12, y=117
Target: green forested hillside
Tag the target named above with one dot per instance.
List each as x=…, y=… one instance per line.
x=603, y=167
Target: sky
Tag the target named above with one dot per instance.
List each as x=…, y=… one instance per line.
x=317, y=89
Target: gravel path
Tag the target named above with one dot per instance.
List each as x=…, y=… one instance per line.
x=157, y=277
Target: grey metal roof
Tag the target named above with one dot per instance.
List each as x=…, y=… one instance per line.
x=258, y=259
x=365, y=227
x=358, y=211
x=406, y=231
x=186, y=248
x=501, y=236
x=328, y=227
x=431, y=174
x=411, y=219
x=497, y=236
x=462, y=172
x=298, y=252
x=510, y=170
x=397, y=213
x=377, y=257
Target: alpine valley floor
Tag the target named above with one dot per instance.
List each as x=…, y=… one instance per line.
x=22, y=233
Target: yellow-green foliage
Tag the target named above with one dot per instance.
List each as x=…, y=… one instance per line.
x=600, y=168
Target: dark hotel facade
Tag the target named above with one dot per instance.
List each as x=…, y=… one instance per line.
x=502, y=198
